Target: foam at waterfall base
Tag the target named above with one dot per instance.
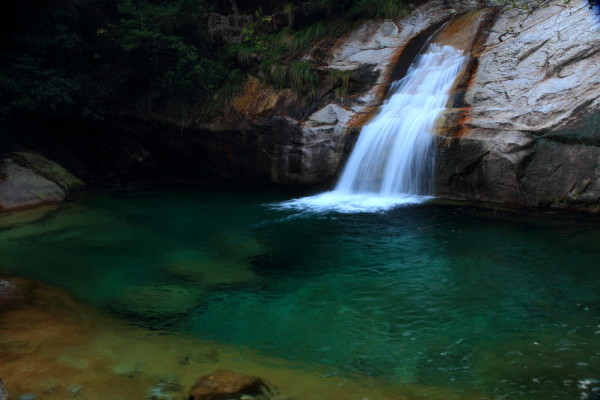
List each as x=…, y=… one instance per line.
x=344, y=202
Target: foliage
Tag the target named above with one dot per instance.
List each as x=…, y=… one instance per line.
x=379, y=8
x=130, y=54
x=107, y=57
x=276, y=55
x=341, y=82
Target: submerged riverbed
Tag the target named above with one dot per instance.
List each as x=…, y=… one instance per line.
x=419, y=301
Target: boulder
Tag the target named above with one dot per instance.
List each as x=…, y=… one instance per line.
x=22, y=188
x=227, y=385
x=48, y=169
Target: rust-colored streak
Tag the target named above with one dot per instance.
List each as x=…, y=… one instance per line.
x=461, y=32
x=361, y=119
x=465, y=32
x=255, y=98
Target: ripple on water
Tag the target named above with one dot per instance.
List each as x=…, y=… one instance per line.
x=393, y=303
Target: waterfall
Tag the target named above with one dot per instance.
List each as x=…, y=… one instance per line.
x=393, y=160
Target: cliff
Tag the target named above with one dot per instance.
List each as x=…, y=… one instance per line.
x=530, y=131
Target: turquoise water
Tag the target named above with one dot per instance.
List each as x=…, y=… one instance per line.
x=504, y=303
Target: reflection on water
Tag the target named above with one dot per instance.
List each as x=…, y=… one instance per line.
x=411, y=302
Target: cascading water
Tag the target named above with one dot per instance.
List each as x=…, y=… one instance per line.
x=393, y=160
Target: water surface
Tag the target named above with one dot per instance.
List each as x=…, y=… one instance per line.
x=430, y=295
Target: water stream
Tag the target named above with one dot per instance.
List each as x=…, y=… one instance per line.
x=393, y=160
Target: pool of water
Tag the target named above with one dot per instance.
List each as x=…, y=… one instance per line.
x=442, y=295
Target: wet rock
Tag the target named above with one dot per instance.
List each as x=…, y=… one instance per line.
x=75, y=389
x=3, y=392
x=161, y=390
x=15, y=292
x=227, y=385
x=27, y=396
x=21, y=188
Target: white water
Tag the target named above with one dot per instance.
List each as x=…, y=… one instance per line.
x=393, y=160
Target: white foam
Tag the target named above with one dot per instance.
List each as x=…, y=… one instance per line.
x=344, y=202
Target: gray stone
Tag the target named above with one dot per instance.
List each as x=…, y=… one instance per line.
x=48, y=169
x=532, y=135
x=22, y=188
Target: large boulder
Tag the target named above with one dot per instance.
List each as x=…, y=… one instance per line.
x=529, y=128
x=227, y=385
x=48, y=169
x=22, y=188
x=28, y=179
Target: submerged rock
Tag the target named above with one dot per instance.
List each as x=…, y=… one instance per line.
x=228, y=385
x=229, y=265
x=27, y=396
x=154, y=303
x=75, y=389
x=161, y=390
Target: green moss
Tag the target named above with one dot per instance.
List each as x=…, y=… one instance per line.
x=49, y=170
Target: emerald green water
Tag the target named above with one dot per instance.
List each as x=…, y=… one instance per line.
x=434, y=294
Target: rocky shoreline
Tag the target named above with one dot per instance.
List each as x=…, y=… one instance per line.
x=55, y=347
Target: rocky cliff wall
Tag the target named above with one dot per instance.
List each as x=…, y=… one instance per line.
x=300, y=143
x=530, y=127
x=525, y=127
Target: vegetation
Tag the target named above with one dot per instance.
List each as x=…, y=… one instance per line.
x=95, y=58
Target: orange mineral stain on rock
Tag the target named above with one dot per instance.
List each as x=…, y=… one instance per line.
x=462, y=31
x=256, y=97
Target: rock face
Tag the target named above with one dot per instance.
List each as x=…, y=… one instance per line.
x=524, y=127
x=277, y=137
x=531, y=131
x=227, y=385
